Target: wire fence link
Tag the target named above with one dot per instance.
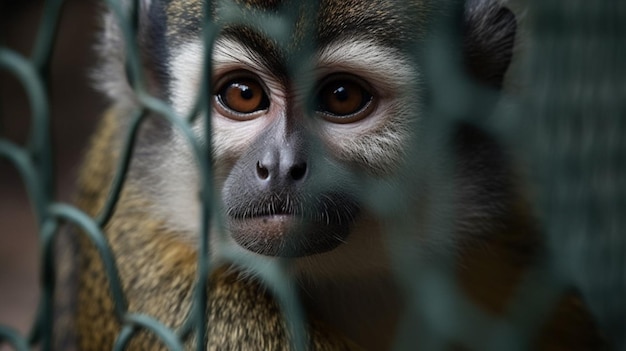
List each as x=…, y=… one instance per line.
x=569, y=126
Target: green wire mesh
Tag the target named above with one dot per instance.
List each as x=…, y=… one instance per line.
x=577, y=118
x=569, y=126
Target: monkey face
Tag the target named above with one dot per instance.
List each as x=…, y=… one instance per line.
x=291, y=158
x=292, y=189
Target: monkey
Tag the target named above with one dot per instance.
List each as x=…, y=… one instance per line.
x=289, y=165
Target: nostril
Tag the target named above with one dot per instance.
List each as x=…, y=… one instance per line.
x=262, y=171
x=298, y=171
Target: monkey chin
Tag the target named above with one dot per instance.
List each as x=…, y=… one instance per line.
x=287, y=235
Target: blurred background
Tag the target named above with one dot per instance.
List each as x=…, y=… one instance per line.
x=74, y=106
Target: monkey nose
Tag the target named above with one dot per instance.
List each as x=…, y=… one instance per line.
x=273, y=170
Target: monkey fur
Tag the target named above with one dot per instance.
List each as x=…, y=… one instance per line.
x=344, y=274
x=243, y=314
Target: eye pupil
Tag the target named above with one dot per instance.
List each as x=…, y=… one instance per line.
x=341, y=94
x=246, y=92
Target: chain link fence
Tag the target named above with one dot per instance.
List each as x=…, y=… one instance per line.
x=568, y=124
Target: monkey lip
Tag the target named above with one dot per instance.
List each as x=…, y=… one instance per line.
x=271, y=226
x=288, y=225
x=287, y=235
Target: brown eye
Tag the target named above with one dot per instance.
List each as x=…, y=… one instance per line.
x=243, y=96
x=343, y=99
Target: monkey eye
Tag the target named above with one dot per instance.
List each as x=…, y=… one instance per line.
x=241, y=96
x=344, y=99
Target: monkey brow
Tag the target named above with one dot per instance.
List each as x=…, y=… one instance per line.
x=267, y=52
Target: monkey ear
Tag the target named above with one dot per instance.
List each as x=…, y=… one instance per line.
x=489, y=39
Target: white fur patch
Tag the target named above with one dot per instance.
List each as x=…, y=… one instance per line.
x=382, y=66
x=186, y=68
x=186, y=72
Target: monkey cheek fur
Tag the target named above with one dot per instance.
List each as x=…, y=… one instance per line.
x=287, y=235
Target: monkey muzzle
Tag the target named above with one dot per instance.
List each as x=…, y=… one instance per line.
x=289, y=227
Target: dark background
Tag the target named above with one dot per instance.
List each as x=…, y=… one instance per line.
x=75, y=108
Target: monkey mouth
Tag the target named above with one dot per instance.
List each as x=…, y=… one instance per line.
x=292, y=228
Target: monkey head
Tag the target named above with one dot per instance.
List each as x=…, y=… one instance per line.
x=300, y=125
